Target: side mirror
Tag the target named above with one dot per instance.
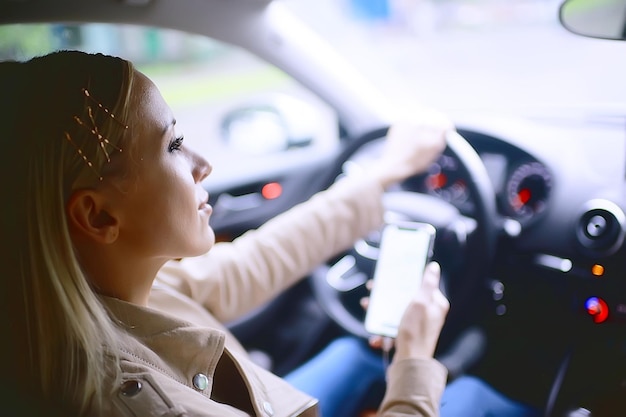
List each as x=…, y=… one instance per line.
x=271, y=124
x=604, y=19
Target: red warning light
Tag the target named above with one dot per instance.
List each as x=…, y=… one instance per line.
x=597, y=308
x=437, y=181
x=271, y=190
x=524, y=195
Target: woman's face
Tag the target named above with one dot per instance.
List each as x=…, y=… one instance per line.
x=161, y=205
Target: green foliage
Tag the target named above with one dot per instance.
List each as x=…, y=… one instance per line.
x=25, y=41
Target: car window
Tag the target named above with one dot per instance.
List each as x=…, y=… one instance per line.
x=505, y=56
x=230, y=105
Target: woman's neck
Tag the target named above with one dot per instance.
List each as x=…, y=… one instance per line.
x=120, y=274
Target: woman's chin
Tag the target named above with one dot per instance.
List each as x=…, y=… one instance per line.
x=209, y=241
x=199, y=247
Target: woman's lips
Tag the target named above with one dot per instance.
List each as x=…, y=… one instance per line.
x=206, y=207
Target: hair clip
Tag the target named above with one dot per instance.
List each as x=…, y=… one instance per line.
x=103, y=142
x=88, y=95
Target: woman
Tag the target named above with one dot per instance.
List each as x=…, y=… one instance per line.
x=115, y=300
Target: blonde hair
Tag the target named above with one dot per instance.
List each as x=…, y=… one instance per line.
x=63, y=334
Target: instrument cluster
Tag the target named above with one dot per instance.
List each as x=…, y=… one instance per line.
x=522, y=184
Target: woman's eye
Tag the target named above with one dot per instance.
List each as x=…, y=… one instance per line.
x=176, y=144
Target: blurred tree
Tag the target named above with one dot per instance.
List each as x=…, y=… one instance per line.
x=24, y=41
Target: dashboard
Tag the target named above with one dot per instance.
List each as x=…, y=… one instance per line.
x=561, y=183
x=556, y=308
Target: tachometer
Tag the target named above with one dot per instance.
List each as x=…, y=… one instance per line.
x=527, y=190
x=444, y=180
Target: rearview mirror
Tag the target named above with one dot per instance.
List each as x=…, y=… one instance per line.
x=604, y=19
x=271, y=124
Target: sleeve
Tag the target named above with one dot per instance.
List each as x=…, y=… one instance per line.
x=414, y=388
x=234, y=278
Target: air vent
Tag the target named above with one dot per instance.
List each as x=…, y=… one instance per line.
x=601, y=227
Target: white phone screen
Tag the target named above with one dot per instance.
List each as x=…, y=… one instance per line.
x=404, y=250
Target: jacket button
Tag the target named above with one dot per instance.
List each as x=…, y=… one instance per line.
x=200, y=382
x=131, y=388
x=267, y=407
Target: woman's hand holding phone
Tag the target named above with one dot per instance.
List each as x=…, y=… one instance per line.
x=422, y=320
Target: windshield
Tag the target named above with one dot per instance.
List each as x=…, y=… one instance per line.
x=503, y=55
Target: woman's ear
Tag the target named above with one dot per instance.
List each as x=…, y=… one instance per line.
x=87, y=217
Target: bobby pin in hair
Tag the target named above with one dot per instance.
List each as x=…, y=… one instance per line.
x=88, y=95
x=102, y=141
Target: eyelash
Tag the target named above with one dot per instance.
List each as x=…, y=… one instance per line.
x=176, y=144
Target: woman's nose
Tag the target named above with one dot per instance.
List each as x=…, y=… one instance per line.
x=201, y=167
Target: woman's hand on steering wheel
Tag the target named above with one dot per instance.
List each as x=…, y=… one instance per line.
x=410, y=147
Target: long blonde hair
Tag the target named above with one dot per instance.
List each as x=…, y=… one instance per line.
x=61, y=334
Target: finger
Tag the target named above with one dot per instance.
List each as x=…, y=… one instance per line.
x=369, y=284
x=441, y=300
x=365, y=302
x=432, y=274
x=376, y=342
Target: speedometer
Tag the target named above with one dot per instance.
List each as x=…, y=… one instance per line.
x=527, y=190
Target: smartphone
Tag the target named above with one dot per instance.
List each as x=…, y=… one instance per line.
x=405, y=248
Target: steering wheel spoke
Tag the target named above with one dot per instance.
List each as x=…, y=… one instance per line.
x=344, y=276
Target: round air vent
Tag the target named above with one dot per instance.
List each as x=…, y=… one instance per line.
x=601, y=227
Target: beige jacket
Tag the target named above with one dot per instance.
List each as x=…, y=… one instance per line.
x=176, y=357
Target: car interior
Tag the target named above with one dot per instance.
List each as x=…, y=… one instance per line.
x=529, y=206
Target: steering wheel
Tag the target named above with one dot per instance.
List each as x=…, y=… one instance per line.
x=464, y=246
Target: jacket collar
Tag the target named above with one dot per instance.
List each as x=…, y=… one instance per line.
x=167, y=344
x=141, y=321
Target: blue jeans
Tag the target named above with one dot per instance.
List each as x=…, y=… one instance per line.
x=342, y=375
x=468, y=396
